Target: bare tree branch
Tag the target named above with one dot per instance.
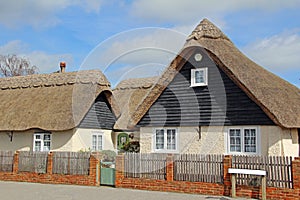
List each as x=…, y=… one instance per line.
x=12, y=65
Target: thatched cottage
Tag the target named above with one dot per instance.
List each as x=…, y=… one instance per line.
x=68, y=111
x=213, y=99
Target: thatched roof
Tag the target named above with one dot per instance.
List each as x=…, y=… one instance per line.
x=129, y=94
x=53, y=102
x=279, y=99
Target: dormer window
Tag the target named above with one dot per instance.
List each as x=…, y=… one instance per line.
x=199, y=77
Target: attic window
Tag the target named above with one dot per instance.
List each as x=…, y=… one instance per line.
x=199, y=77
x=198, y=57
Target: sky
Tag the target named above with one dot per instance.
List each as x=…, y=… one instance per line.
x=138, y=38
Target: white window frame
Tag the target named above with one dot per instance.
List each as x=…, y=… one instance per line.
x=165, y=149
x=193, y=77
x=243, y=152
x=97, y=134
x=42, y=140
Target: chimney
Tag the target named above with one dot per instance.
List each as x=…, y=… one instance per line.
x=62, y=67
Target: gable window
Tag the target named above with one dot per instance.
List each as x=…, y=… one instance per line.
x=42, y=141
x=165, y=139
x=199, y=77
x=97, y=142
x=243, y=141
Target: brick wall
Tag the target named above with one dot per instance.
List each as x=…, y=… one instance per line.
x=170, y=185
x=49, y=177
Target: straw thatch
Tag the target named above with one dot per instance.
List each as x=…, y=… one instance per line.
x=53, y=102
x=129, y=94
x=279, y=99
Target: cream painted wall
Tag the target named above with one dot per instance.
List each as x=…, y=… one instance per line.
x=21, y=141
x=213, y=140
x=189, y=140
x=72, y=140
x=279, y=141
x=82, y=139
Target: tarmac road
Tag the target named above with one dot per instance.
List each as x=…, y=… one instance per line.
x=35, y=191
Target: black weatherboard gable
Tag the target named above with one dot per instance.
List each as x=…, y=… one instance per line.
x=221, y=102
x=100, y=115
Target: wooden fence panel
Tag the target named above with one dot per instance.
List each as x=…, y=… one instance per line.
x=141, y=165
x=198, y=168
x=6, y=161
x=33, y=161
x=279, y=170
x=73, y=163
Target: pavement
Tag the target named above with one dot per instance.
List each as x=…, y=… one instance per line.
x=36, y=191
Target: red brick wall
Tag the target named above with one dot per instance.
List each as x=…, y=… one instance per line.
x=52, y=178
x=170, y=185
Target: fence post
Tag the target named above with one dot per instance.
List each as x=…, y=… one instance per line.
x=50, y=163
x=296, y=172
x=16, y=163
x=120, y=167
x=227, y=163
x=170, y=167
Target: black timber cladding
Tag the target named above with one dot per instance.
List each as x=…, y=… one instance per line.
x=222, y=102
x=100, y=115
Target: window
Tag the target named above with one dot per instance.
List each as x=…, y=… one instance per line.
x=97, y=142
x=199, y=77
x=42, y=142
x=243, y=140
x=165, y=139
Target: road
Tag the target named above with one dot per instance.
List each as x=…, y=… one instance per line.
x=35, y=191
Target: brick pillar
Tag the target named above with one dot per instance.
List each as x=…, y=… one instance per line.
x=94, y=165
x=119, y=169
x=50, y=163
x=296, y=172
x=227, y=163
x=170, y=167
x=16, y=163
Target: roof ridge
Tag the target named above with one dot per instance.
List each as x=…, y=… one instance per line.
x=206, y=29
x=54, y=79
x=135, y=83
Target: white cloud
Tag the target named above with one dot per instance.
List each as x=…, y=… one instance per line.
x=277, y=53
x=91, y=5
x=39, y=13
x=137, y=47
x=46, y=63
x=136, y=53
x=190, y=10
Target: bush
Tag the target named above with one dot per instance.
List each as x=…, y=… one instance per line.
x=133, y=146
x=108, y=155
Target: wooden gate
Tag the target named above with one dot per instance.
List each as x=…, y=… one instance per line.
x=107, y=173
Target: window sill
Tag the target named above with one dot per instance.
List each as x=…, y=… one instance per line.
x=164, y=151
x=243, y=153
x=199, y=85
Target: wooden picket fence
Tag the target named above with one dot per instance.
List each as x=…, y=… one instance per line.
x=6, y=161
x=73, y=163
x=142, y=165
x=198, y=168
x=33, y=161
x=279, y=170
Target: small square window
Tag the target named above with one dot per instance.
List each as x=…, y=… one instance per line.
x=199, y=77
x=42, y=142
x=243, y=141
x=165, y=140
x=97, y=142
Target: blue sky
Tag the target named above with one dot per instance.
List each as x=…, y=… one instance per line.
x=132, y=38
